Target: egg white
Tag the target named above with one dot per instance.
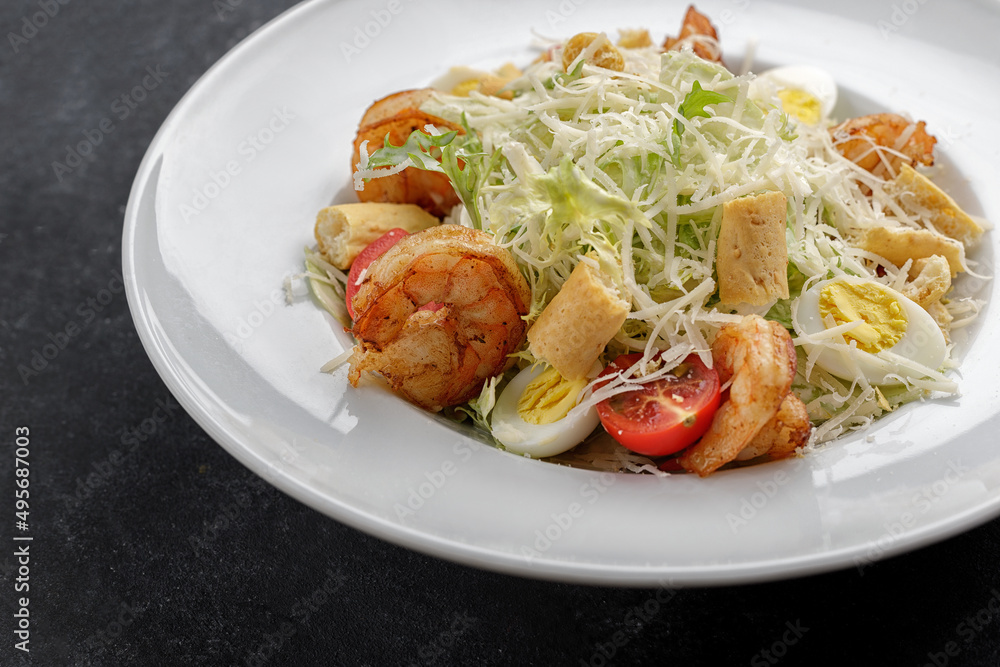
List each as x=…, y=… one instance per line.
x=923, y=343
x=455, y=76
x=808, y=79
x=537, y=440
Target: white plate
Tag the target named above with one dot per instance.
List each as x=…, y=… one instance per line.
x=225, y=200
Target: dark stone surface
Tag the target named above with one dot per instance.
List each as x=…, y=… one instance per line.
x=160, y=549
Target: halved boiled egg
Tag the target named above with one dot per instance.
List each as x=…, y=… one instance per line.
x=865, y=327
x=807, y=93
x=459, y=80
x=534, y=414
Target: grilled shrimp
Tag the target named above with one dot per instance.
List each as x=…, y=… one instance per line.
x=881, y=142
x=438, y=314
x=759, y=357
x=699, y=32
x=397, y=104
x=397, y=116
x=787, y=430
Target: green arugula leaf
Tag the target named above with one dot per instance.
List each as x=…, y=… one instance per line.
x=416, y=147
x=464, y=161
x=469, y=167
x=693, y=106
x=565, y=78
x=694, y=102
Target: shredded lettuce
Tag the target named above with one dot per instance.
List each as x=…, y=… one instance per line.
x=693, y=106
x=631, y=170
x=459, y=156
x=551, y=219
x=479, y=408
x=327, y=285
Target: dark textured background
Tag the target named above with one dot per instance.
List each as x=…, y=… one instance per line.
x=159, y=549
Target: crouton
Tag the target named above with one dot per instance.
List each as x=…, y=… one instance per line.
x=898, y=244
x=930, y=279
x=919, y=196
x=603, y=55
x=752, y=254
x=578, y=322
x=634, y=38
x=345, y=230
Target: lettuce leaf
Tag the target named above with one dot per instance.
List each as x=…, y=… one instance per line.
x=693, y=106
x=462, y=159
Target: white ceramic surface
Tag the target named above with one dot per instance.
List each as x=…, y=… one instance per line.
x=225, y=200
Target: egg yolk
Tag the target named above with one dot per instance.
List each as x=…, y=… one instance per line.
x=463, y=89
x=881, y=313
x=548, y=398
x=800, y=104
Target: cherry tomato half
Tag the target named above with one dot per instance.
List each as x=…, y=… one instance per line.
x=665, y=415
x=372, y=251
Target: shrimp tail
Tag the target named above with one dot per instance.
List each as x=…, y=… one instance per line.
x=784, y=433
x=759, y=358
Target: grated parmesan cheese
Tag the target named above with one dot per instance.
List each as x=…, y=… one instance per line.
x=604, y=165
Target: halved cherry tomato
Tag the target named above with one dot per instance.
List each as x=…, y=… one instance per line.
x=665, y=415
x=372, y=251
